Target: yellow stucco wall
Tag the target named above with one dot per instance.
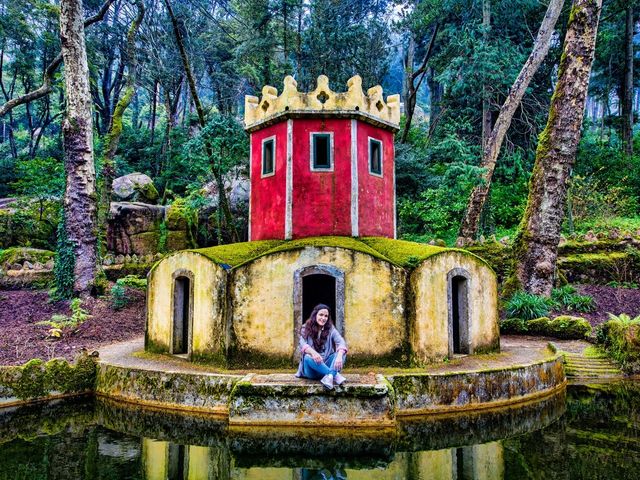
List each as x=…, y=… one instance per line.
x=208, y=326
x=429, y=333
x=263, y=315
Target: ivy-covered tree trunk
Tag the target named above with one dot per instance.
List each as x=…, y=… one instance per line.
x=77, y=130
x=112, y=139
x=536, y=244
x=491, y=150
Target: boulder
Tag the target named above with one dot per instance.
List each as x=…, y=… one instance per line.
x=127, y=219
x=237, y=186
x=134, y=187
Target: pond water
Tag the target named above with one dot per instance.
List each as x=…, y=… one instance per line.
x=591, y=432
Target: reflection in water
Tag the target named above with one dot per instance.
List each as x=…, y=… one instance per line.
x=594, y=435
x=167, y=461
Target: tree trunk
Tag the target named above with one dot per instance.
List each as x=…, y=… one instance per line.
x=223, y=202
x=112, y=138
x=486, y=111
x=435, y=99
x=80, y=193
x=627, y=86
x=408, y=88
x=536, y=244
x=471, y=220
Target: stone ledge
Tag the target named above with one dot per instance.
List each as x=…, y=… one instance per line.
x=278, y=400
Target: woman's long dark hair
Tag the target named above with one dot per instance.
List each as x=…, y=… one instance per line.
x=311, y=328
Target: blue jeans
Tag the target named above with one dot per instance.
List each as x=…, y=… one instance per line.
x=315, y=371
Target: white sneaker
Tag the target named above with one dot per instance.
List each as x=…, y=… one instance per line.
x=339, y=379
x=327, y=381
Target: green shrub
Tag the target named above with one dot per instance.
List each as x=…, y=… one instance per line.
x=513, y=325
x=59, y=322
x=119, y=298
x=581, y=303
x=527, y=306
x=566, y=326
x=620, y=337
x=563, y=295
x=133, y=281
x=563, y=326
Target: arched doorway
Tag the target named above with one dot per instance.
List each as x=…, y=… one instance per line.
x=317, y=284
x=182, y=308
x=458, y=307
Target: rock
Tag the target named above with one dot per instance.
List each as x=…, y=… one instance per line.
x=460, y=242
x=237, y=186
x=135, y=187
x=590, y=236
x=119, y=259
x=108, y=259
x=27, y=265
x=38, y=266
x=440, y=242
x=614, y=234
x=49, y=265
x=504, y=240
x=127, y=219
x=15, y=266
x=432, y=242
x=482, y=240
x=563, y=239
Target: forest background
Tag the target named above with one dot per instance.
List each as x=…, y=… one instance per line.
x=456, y=59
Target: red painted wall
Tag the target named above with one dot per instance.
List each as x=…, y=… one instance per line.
x=268, y=194
x=375, y=194
x=321, y=200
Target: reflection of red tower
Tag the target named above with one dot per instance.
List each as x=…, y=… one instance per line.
x=322, y=163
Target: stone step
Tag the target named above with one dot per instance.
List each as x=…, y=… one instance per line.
x=282, y=399
x=591, y=365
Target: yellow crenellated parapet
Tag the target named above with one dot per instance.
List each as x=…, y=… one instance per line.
x=322, y=99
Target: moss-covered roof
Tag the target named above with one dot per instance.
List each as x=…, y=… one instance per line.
x=398, y=252
x=402, y=252
x=235, y=254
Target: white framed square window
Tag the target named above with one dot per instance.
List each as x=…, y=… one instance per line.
x=376, y=157
x=321, y=151
x=268, y=157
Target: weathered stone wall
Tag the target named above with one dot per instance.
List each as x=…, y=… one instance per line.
x=195, y=392
x=207, y=325
x=430, y=295
x=431, y=393
x=263, y=304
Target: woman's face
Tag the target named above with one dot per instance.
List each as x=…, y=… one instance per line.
x=322, y=316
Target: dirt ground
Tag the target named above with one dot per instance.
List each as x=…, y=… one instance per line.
x=22, y=339
x=608, y=300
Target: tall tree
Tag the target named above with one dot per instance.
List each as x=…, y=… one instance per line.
x=112, y=138
x=77, y=129
x=491, y=149
x=627, y=83
x=536, y=244
x=223, y=201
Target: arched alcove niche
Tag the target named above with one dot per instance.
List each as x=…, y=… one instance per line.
x=459, y=311
x=182, y=312
x=315, y=284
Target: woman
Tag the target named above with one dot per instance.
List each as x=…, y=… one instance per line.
x=322, y=349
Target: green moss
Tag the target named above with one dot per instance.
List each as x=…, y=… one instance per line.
x=237, y=253
x=20, y=254
x=514, y=325
x=37, y=379
x=348, y=243
x=621, y=341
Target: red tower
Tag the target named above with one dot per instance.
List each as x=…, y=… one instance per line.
x=322, y=163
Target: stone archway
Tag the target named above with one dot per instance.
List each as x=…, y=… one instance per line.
x=459, y=314
x=181, y=312
x=317, y=284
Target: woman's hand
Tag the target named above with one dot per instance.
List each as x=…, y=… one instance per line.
x=316, y=357
x=338, y=362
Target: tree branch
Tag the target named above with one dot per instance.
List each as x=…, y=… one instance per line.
x=46, y=87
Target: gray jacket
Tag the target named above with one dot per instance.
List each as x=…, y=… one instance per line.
x=334, y=343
